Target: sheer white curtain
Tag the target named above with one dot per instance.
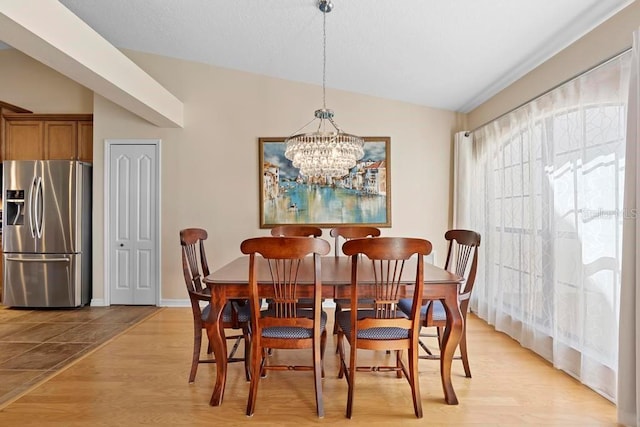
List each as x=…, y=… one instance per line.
x=462, y=150
x=629, y=335
x=546, y=195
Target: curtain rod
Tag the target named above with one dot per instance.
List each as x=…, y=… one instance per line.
x=469, y=132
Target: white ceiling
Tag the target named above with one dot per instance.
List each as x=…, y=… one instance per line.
x=450, y=54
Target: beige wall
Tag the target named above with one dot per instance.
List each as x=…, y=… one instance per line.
x=605, y=41
x=213, y=160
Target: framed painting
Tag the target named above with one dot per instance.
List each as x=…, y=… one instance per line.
x=363, y=197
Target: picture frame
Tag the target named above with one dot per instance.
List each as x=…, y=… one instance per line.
x=363, y=197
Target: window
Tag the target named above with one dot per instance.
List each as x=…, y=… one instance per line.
x=548, y=186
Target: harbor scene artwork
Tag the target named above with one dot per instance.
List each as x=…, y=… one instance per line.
x=362, y=197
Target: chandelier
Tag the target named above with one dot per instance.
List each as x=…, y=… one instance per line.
x=327, y=152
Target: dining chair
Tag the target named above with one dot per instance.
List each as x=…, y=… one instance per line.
x=383, y=327
x=296, y=231
x=462, y=259
x=346, y=233
x=236, y=314
x=284, y=325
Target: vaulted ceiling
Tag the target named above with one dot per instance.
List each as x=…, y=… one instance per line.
x=449, y=54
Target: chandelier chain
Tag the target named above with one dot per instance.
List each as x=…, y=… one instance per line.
x=324, y=59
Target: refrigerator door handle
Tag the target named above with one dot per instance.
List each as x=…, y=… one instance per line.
x=37, y=259
x=38, y=207
x=30, y=211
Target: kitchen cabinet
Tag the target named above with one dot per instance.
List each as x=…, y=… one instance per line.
x=23, y=140
x=60, y=140
x=47, y=137
x=85, y=141
x=6, y=108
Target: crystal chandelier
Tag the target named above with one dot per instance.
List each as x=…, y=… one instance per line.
x=325, y=152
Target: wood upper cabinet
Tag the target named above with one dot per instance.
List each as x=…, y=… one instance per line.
x=23, y=140
x=48, y=137
x=85, y=141
x=59, y=140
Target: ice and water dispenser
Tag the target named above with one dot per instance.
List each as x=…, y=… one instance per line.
x=14, y=214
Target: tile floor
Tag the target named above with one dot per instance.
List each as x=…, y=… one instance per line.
x=34, y=344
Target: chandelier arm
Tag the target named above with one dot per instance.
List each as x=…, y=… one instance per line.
x=307, y=124
x=335, y=125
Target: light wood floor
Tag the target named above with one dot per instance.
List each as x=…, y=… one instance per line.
x=36, y=344
x=140, y=378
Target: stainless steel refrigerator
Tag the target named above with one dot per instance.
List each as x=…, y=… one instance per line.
x=46, y=233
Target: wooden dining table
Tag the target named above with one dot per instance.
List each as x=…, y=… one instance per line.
x=231, y=282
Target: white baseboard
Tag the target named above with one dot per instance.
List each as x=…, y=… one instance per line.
x=99, y=302
x=175, y=303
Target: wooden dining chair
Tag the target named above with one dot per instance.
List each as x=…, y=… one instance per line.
x=285, y=325
x=296, y=231
x=236, y=314
x=346, y=233
x=462, y=259
x=383, y=327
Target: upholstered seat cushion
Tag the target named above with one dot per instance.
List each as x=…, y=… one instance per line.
x=438, y=309
x=244, y=312
x=344, y=321
x=292, y=332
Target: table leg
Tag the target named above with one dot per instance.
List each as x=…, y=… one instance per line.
x=215, y=332
x=450, y=341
